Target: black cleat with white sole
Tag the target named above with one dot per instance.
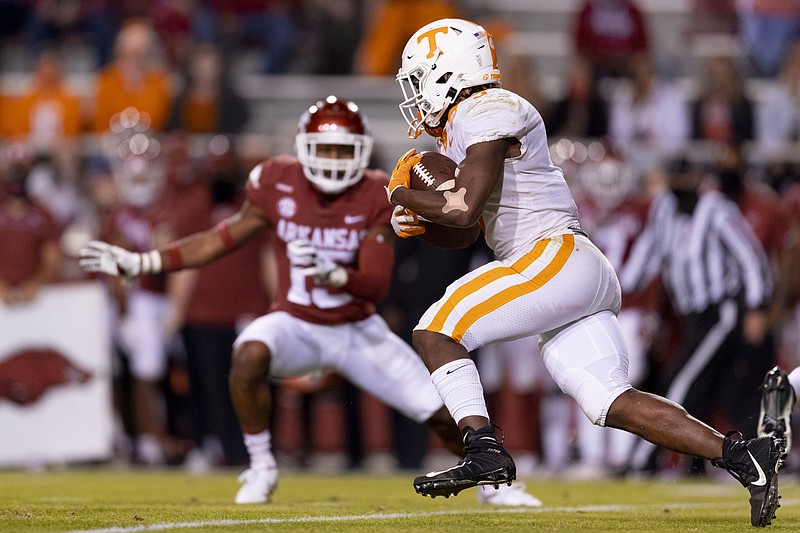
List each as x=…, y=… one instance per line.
x=755, y=463
x=485, y=462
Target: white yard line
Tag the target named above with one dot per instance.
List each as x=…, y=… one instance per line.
x=395, y=516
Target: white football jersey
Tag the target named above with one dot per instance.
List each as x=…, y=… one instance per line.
x=532, y=201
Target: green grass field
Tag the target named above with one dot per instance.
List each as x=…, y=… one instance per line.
x=127, y=501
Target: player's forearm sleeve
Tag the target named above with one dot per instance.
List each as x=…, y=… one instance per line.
x=373, y=276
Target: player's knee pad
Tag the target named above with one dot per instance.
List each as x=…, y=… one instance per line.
x=589, y=362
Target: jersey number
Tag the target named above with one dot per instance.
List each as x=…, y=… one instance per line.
x=319, y=297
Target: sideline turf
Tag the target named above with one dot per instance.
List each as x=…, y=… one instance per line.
x=171, y=500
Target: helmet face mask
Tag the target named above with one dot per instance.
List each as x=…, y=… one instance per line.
x=333, y=145
x=138, y=169
x=139, y=181
x=439, y=61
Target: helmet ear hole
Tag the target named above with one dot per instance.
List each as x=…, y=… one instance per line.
x=444, y=77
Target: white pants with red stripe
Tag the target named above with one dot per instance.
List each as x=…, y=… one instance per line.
x=562, y=289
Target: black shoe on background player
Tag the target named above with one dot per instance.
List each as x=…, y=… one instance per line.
x=485, y=462
x=754, y=463
x=777, y=401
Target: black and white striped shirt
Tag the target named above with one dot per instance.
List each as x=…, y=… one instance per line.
x=704, y=258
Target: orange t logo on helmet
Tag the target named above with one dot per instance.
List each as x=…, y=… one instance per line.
x=431, y=36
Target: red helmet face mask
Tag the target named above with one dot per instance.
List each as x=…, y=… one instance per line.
x=333, y=144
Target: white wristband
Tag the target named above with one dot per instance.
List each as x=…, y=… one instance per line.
x=151, y=262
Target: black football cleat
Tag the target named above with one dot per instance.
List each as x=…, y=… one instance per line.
x=777, y=401
x=485, y=462
x=754, y=463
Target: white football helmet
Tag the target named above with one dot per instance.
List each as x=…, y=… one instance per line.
x=440, y=60
x=333, y=121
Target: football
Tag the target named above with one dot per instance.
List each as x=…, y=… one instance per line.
x=437, y=172
x=434, y=171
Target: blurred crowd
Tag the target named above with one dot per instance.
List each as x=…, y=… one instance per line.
x=151, y=155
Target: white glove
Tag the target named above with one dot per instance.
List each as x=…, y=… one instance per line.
x=326, y=272
x=99, y=256
x=301, y=253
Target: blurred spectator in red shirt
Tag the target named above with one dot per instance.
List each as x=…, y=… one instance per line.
x=208, y=102
x=608, y=33
x=714, y=16
x=172, y=20
x=29, y=252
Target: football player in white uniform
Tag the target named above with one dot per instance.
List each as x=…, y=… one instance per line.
x=548, y=280
x=327, y=222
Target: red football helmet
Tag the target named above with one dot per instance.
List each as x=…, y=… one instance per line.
x=333, y=122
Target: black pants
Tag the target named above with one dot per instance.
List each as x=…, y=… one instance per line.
x=208, y=353
x=721, y=373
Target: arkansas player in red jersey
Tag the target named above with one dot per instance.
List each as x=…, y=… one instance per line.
x=328, y=221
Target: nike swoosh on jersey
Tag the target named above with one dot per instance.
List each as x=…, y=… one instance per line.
x=762, y=477
x=437, y=472
x=352, y=219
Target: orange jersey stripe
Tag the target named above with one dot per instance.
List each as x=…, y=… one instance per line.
x=515, y=291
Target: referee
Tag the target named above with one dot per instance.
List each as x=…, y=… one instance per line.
x=718, y=280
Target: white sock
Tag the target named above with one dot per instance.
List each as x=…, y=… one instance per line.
x=259, y=446
x=460, y=387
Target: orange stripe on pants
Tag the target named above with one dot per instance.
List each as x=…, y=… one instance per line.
x=506, y=295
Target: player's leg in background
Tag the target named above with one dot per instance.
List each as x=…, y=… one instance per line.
x=279, y=345
x=209, y=354
x=510, y=372
x=252, y=401
x=778, y=398
x=144, y=341
x=380, y=363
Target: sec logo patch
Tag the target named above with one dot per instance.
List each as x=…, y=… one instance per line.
x=287, y=207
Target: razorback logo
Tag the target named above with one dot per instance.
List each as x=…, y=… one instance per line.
x=28, y=374
x=430, y=35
